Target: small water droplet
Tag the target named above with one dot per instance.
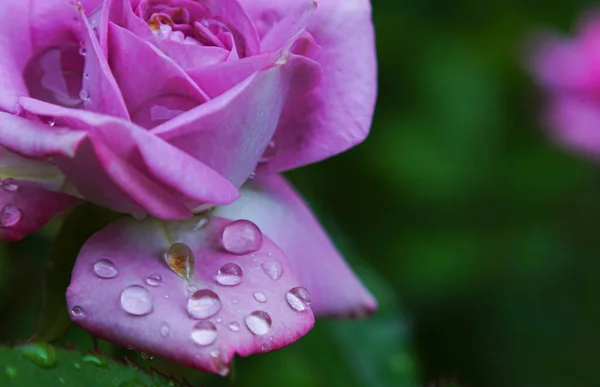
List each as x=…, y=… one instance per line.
x=204, y=304
x=147, y=356
x=82, y=51
x=180, y=259
x=41, y=354
x=10, y=215
x=136, y=300
x=241, y=237
x=264, y=348
x=95, y=360
x=202, y=221
x=84, y=95
x=229, y=274
x=10, y=371
x=260, y=297
x=86, y=76
x=204, y=333
x=164, y=330
x=270, y=152
x=51, y=122
x=234, y=327
x=77, y=365
x=298, y=298
x=235, y=301
x=154, y=279
x=252, y=175
x=219, y=320
x=105, y=268
x=77, y=311
x=167, y=296
x=214, y=353
x=9, y=185
x=258, y=322
x=273, y=269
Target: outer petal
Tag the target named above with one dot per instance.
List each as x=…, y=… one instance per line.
x=338, y=114
x=282, y=215
x=165, y=327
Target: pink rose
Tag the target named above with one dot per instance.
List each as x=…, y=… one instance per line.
x=569, y=71
x=169, y=108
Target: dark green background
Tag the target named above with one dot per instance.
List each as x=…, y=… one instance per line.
x=478, y=235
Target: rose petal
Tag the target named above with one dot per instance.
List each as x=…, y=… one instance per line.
x=281, y=213
x=160, y=322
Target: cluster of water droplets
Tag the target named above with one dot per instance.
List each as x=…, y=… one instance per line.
x=10, y=214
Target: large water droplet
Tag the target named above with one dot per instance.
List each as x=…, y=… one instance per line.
x=260, y=297
x=180, y=259
x=42, y=354
x=10, y=215
x=204, y=304
x=270, y=152
x=164, y=330
x=95, y=360
x=298, y=298
x=9, y=185
x=229, y=274
x=105, y=268
x=154, y=279
x=241, y=237
x=77, y=311
x=258, y=322
x=136, y=300
x=204, y=333
x=234, y=327
x=273, y=269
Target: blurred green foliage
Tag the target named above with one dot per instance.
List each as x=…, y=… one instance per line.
x=478, y=235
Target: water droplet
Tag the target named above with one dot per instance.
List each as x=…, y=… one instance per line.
x=42, y=354
x=214, y=353
x=234, y=327
x=252, y=175
x=264, y=348
x=229, y=274
x=192, y=288
x=260, y=297
x=136, y=300
x=204, y=333
x=95, y=360
x=11, y=372
x=202, y=221
x=270, y=152
x=105, y=268
x=51, y=122
x=10, y=215
x=147, y=356
x=204, y=304
x=167, y=296
x=298, y=298
x=82, y=51
x=77, y=311
x=86, y=76
x=241, y=237
x=84, y=95
x=273, y=269
x=258, y=322
x=164, y=330
x=180, y=259
x=154, y=279
x=235, y=301
x=77, y=365
x=9, y=185
x=219, y=320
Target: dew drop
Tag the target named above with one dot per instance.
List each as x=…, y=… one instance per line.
x=10, y=215
x=219, y=320
x=258, y=322
x=41, y=354
x=235, y=327
x=202, y=221
x=136, y=300
x=241, y=237
x=204, y=333
x=167, y=296
x=77, y=365
x=77, y=311
x=298, y=298
x=95, y=360
x=10, y=371
x=204, y=304
x=147, y=356
x=269, y=153
x=82, y=51
x=84, y=95
x=229, y=274
x=180, y=259
x=214, y=353
x=154, y=279
x=105, y=268
x=260, y=297
x=164, y=330
x=51, y=122
x=273, y=269
x=9, y=185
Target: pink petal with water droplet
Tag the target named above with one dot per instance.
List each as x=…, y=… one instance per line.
x=136, y=248
x=282, y=215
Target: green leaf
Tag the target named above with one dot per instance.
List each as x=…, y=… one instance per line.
x=80, y=224
x=40, y=364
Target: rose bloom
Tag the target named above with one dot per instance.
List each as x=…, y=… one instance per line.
x=568, y=69
x=182, y=113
